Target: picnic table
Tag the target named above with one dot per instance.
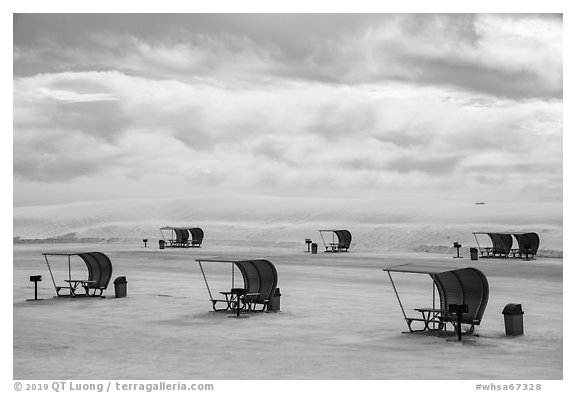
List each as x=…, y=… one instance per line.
x=332, y=246
x=77, y=284
x=237, y=296
x=433, y=319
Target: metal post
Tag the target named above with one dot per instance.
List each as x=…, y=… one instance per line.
x=477, y=242
x=397, y=297
x=457, y=247
x=459, y=326
x=323, y=241
x=333, y=240
x=433, y=293
x=70, y=274
x=204, y=275
x=238, y=305
x=50, y=270
x=433, y=300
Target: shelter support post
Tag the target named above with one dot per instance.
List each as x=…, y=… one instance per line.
x=433, y=294
x=50, y=270
x=205, y=281
x=477, y=242
x=397, y=297
x=70, y=273
x=434, y=300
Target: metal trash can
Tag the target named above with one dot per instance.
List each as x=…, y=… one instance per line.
x=314, y=248
x=474, y=254
x=513, y=319
x=274, y=304
x=120, y=286
x=161, y=244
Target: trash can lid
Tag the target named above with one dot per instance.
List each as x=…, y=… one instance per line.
x=473, y=249
x=120, y=280
x=513, y=309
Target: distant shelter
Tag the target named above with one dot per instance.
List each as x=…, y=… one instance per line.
x=503, y=246
x=336, y=240
x=182, y=237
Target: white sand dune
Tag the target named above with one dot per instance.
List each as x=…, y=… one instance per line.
x=339, y=320
x=383, y=224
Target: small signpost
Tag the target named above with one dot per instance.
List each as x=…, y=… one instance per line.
x=457, y=247
x=35, y=280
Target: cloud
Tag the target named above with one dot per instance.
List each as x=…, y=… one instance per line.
x=447, y=104
x=403, y=129
x=57, y=155
x=432, y=165
x=50, y=169
x=74, y=97
x=506, y=56
x=503, y=55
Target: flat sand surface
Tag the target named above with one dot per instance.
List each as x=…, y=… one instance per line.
x=339, y=319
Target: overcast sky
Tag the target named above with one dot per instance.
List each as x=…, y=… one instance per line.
x=465, y=107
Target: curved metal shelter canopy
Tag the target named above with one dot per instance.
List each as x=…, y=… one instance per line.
x=528, y=244
x=182, y=237
x=99, y=269
x=339, y=241
x=259, y=282
x=501, y=244
x=197, y=236
x=454, y=286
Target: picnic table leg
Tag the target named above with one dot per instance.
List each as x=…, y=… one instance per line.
x=237, y=305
